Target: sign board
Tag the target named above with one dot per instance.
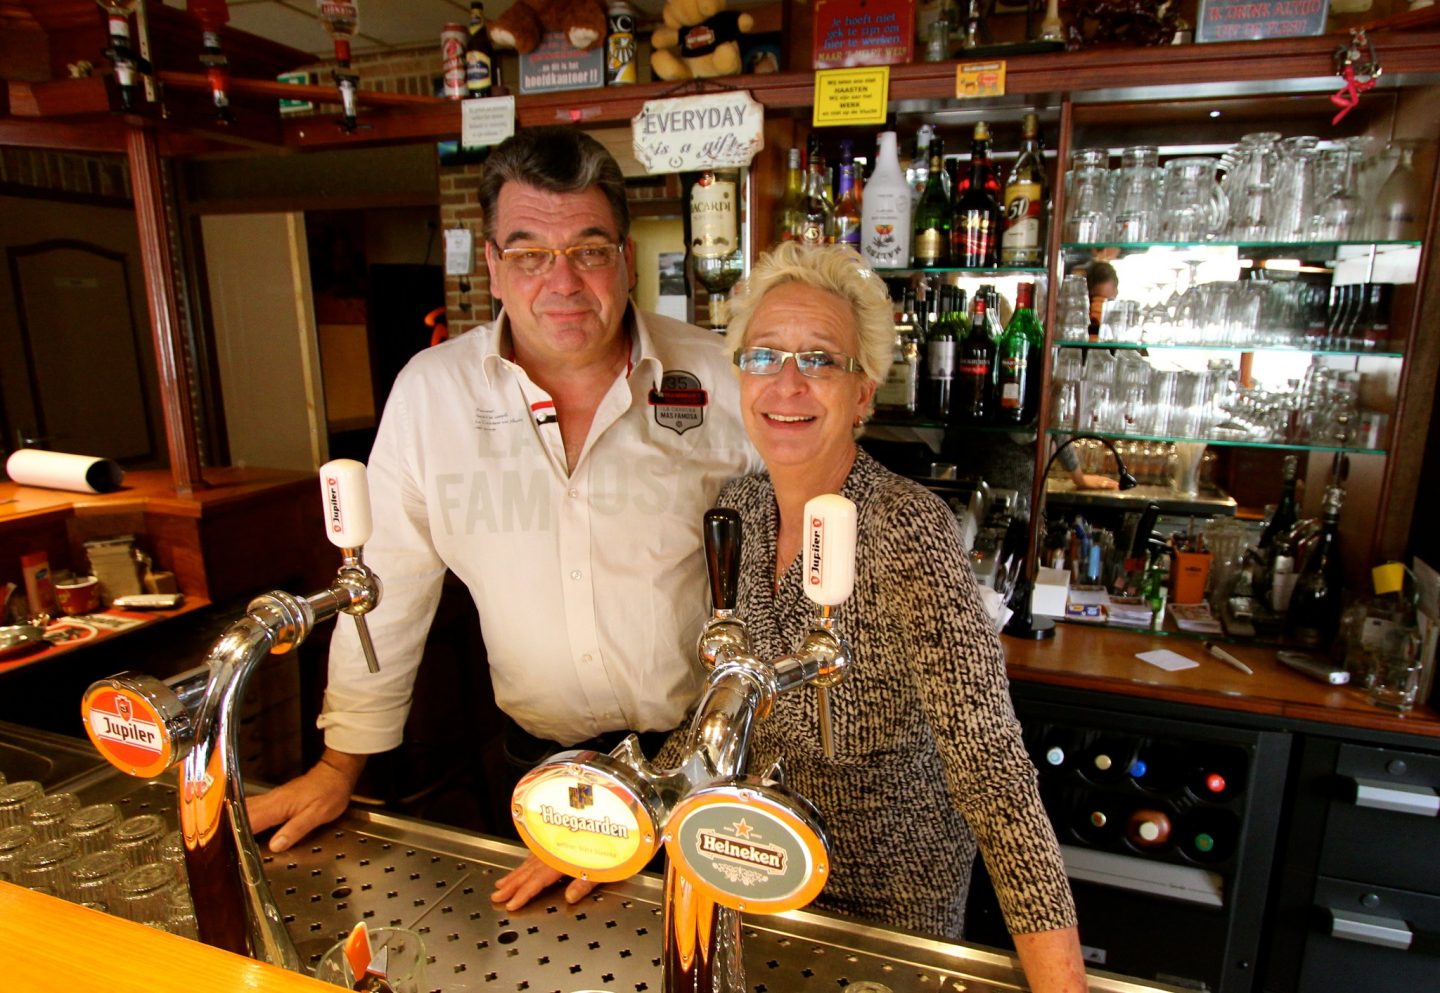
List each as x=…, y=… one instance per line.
x=709, y=131
x=975, y=80
x=302, y=77
x=851, y=96
x=1250, y=20
x=558, y=65
x=486, y=121
x=863, y=33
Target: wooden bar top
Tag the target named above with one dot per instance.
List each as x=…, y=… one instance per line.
x=49, y=944
x=1104, y=660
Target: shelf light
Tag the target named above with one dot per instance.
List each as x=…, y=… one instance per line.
x=1214, y=114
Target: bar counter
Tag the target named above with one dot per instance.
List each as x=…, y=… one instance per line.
x=1103, y=660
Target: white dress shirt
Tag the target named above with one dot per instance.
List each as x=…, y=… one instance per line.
x=590, y=584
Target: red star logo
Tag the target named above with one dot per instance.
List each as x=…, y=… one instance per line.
x=742, y=830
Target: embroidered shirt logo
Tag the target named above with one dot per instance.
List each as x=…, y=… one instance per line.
x=679, y=402
x=543, y=411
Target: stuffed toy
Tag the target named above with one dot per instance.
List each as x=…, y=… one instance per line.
x=526, y=21
x=700, y=38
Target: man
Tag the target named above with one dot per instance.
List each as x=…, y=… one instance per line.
x=558, y=461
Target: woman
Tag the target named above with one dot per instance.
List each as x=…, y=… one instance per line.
x=928, y=751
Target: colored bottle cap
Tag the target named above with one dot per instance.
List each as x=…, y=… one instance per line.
x=1388, y=578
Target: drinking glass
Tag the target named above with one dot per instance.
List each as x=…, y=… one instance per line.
x=16, y=800
x=1340, y=212
x=1074, y=309
x=1295, y=189
x=1399, y=203
x=14, y=840
x=1087, y=219
x=145, y=893
x=48, y=864
x=139, y=837
x=1249, y=185
x=95, y=877
x=1195, y=207
x=404, y=953
x=1138, y=186
x=48, y=814
x=1121, y=321
x=93, y=827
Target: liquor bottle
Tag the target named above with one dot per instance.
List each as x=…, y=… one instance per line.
x=941, y=353
x=1218, y=773
x=479, y=55
x=788, y=219
x=978, y=223
x=1313, y=617
x=1159, y=768
x=1207, y=835
x=714, y=238
x=620, y=68
x=1148, y=828
x=1107, y=759
x=885, y=210
x=979, y=156
x=971, y=401
x=1027, y=198
x=900, y=392
x=917, y=172
x=1285, y=514
x=930, y=240
x=847, y=207
x=817, y=213
x=1013, y=390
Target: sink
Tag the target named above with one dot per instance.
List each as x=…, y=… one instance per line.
x=51, y=759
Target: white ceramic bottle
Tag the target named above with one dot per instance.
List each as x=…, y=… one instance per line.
x=885, y=213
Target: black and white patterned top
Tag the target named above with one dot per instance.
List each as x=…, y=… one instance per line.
x=928, y=752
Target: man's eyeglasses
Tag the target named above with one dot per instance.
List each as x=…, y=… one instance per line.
x=538, y=261
x=814, y=364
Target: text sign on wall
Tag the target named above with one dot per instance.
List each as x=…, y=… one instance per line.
x=863, y=33
x=685, y=134
x=1248, y=20
x=851, y=96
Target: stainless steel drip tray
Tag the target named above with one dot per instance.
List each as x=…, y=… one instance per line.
x=393, y=870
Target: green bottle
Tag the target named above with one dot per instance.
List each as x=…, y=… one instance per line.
x=1013, y=391
x=931, y=239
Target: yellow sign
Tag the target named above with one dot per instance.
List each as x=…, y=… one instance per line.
x=851, y=96
x=583, y=824
x=974, y=80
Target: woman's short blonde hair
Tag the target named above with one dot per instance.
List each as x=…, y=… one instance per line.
x=836, y=269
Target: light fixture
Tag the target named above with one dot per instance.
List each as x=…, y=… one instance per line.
x=1023, y=623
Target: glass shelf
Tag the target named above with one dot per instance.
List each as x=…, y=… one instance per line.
x=1285, y=446
x=1139, y=346
x=884, y=420
x=1033, y=271
x=1289, y=247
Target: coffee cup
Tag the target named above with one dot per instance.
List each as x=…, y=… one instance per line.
x=79, y=595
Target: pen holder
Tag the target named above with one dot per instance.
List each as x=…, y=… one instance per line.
x=1189, y=573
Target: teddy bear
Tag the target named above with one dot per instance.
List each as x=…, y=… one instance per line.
x=526, y=21
x=700, y=38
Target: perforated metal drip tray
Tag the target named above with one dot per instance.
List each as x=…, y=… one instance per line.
x=391, y=870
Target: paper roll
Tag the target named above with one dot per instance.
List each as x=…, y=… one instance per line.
x=59, y=471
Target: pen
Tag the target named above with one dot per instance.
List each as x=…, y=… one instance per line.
x=1227, y=658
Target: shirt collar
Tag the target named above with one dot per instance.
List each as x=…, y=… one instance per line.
x=501, y=352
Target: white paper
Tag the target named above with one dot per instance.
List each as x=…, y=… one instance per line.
x=62, y=471
x=487, y=121
x=1164, y=658
x=459, y=252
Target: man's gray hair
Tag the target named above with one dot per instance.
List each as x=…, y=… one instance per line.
x=557, y=158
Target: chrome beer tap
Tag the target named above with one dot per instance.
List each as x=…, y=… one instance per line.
x=736, y=842
x=144, y=728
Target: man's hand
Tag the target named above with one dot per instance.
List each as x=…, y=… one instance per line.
x=1090, y=481
x=317, y=797
x=520, y=886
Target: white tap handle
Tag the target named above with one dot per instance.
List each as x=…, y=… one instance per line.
x=829, y=549
x=346, y=496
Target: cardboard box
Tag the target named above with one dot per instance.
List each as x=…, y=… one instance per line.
x=1052, y=590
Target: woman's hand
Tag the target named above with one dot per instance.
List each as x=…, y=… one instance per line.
x=1052, y=960
x=517, y=888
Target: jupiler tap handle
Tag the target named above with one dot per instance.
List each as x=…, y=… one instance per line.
x=829, y=579
x=830, y=524
x=347, y=503
x=722, y=555
x=348, y=525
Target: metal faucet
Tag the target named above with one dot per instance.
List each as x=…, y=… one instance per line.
x=145, y=727
x=736, y=842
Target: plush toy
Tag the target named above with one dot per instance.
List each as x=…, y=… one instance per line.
x=700, y=38
x=526, y=21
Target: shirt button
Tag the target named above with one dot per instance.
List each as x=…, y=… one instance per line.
x=574, y=573
x=574, y=493
x=586, y=658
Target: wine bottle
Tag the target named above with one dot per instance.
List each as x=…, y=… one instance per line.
x=1313, y=617
x=479, y=55
x=1027, y=199
x=917, y=172
x=978, y=222
x=715, y=254
x=971, y=401
x=885, y=210
x=1013, y=390
x=931, y=231
x=1158, y=768
x=1207, y=835
x=788, y=219
x=1219, y=773
x=1148, y=828
x=1285, y=514
x=817, y=213
x=1107, y=759
x=941, y=351
x=847, y=206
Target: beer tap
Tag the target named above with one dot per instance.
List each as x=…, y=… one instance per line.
x=144, y=728
x=736, y=842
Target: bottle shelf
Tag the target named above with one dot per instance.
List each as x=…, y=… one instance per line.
x=1306, y=249
x=1285, y=446
x=886, y=420
x=997, y=272
x=1140, y=346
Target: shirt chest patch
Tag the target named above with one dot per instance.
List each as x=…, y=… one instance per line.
x=679, y=402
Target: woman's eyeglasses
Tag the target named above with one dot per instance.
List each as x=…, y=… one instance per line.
x=538, y=261
x=814, y=364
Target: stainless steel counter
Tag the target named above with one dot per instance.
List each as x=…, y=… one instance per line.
x=394, y=870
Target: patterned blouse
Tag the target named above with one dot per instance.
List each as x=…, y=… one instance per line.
x=928, y=752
